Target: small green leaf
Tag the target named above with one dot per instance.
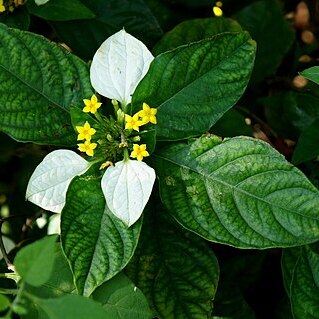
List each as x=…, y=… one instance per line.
x=193, y=31
x=301, y=276
x=239, y=192
x=71, y=307
x=60, y=10
x=34, y=263
x=40, y=80
x=97, y=244
x=194, y=85
x=263, y=20
x=175, y=269
x=121, y=298
x=311, y=74
x=4, y=302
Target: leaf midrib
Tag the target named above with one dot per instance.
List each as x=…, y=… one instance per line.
x=220, y=63
x=233, y=188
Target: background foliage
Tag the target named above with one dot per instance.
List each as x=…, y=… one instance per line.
x=176, y=272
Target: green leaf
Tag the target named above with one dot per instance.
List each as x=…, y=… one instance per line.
x=60, y=10
x=40, y=81
x=4, y=303
x=34, y=263
x=301, y=276
x=176, y=270
x=311, y=74
x=19, y=19
x=71, y=307
x=193, y=31
x=122, y=299
x=85, y=36
x=60, y=281
x=194, y=85
x=97, y=244
x=239, y=192
x=263, y=20
x=307, y=146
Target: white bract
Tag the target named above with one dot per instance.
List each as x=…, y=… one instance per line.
x=49, y=182
x=119, y=65
x=117, y=68
x=127, y=187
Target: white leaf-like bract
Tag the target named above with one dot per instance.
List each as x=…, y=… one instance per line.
x=127, y=187
x=119, y=65
x=54, y=226
x=49, y=182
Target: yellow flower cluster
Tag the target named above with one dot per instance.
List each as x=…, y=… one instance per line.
x=11, y=4
x=139, y=151
x=146, y=115
x=86, y=131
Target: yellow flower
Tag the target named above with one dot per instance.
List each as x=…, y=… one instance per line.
x=133, y=122
x=2, y=7
x=91, y=105
x=217, y=11
x=148, y=114
x=87, y=147
x=85, y=132
x=139, y=151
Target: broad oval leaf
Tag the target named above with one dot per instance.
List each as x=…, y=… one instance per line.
x=194, y=85
x=34, y=263
x=239, y=192
x=97, y=244
x=119, y=65
x=49, y=182
x=127, y=187
x=40, y=80
x=300, y=268
x=175, y=269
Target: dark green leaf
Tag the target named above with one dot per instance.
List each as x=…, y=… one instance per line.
x=239, y=192
x=40, y=81
x=232, y=123
x=34, y=263
x=121, y=298
x=311, y=74
x=176, y=270
x=71, y=307
x=263, y=20
x=193, y=31
x=194, y=85
x=19, y=19
x=301, y=276
x=290, y=113
x=85, y=36
x=60, y=10
x=97, y=244
x=307, y=146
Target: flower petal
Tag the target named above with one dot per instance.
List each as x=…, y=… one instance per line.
x=49, y=182
x=127, y=187
x=119, y=65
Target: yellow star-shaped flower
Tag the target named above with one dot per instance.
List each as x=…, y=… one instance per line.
x=139, y=151
x=133, y=122
x=148, y=114
x=85, y=132
x=87, y=147
x=91, y=105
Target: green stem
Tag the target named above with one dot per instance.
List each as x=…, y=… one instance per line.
x=98, y=117
x=9, y=291
x=126, y=155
